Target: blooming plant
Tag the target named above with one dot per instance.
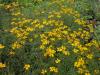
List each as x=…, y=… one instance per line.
x=48, y=39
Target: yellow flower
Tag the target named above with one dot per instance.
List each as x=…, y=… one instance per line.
x=75, y=50
x=53, y=69
x=43, y=71
x=57, y=61
x=58, y=16
x=35, y=21
x=50, y=52
x=11, y=52
x=16, y=45
x=80, y=70
x=89, y=56
x=44, y=21
x=16, y=14
x=27, y=66
x=66, y=53
x=45, y=41
x=50, y=16
x=91, y=27
x=1, y=46
x=80, y=21
x=79, y=63
x=52, y=39
x=62, y=48
x=2, y=65
x=42, y=46
x=7, y=6
x=98, y=58
x=87, y=73
x=96, y=71
x=29, y=29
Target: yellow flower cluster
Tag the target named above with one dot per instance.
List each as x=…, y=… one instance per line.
x=53, y=34
x=80, y=22
x=96, y=71
x=57, y=61
x=2, y=65
x=53, y=69
x=44, y=71
x=27, y=66
x=16, y=45
x=11, y=6
x=1, y=46
x=90, y=56
x=79, y=63
x=11, y=53
x=81, y=66
x=63, y=50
